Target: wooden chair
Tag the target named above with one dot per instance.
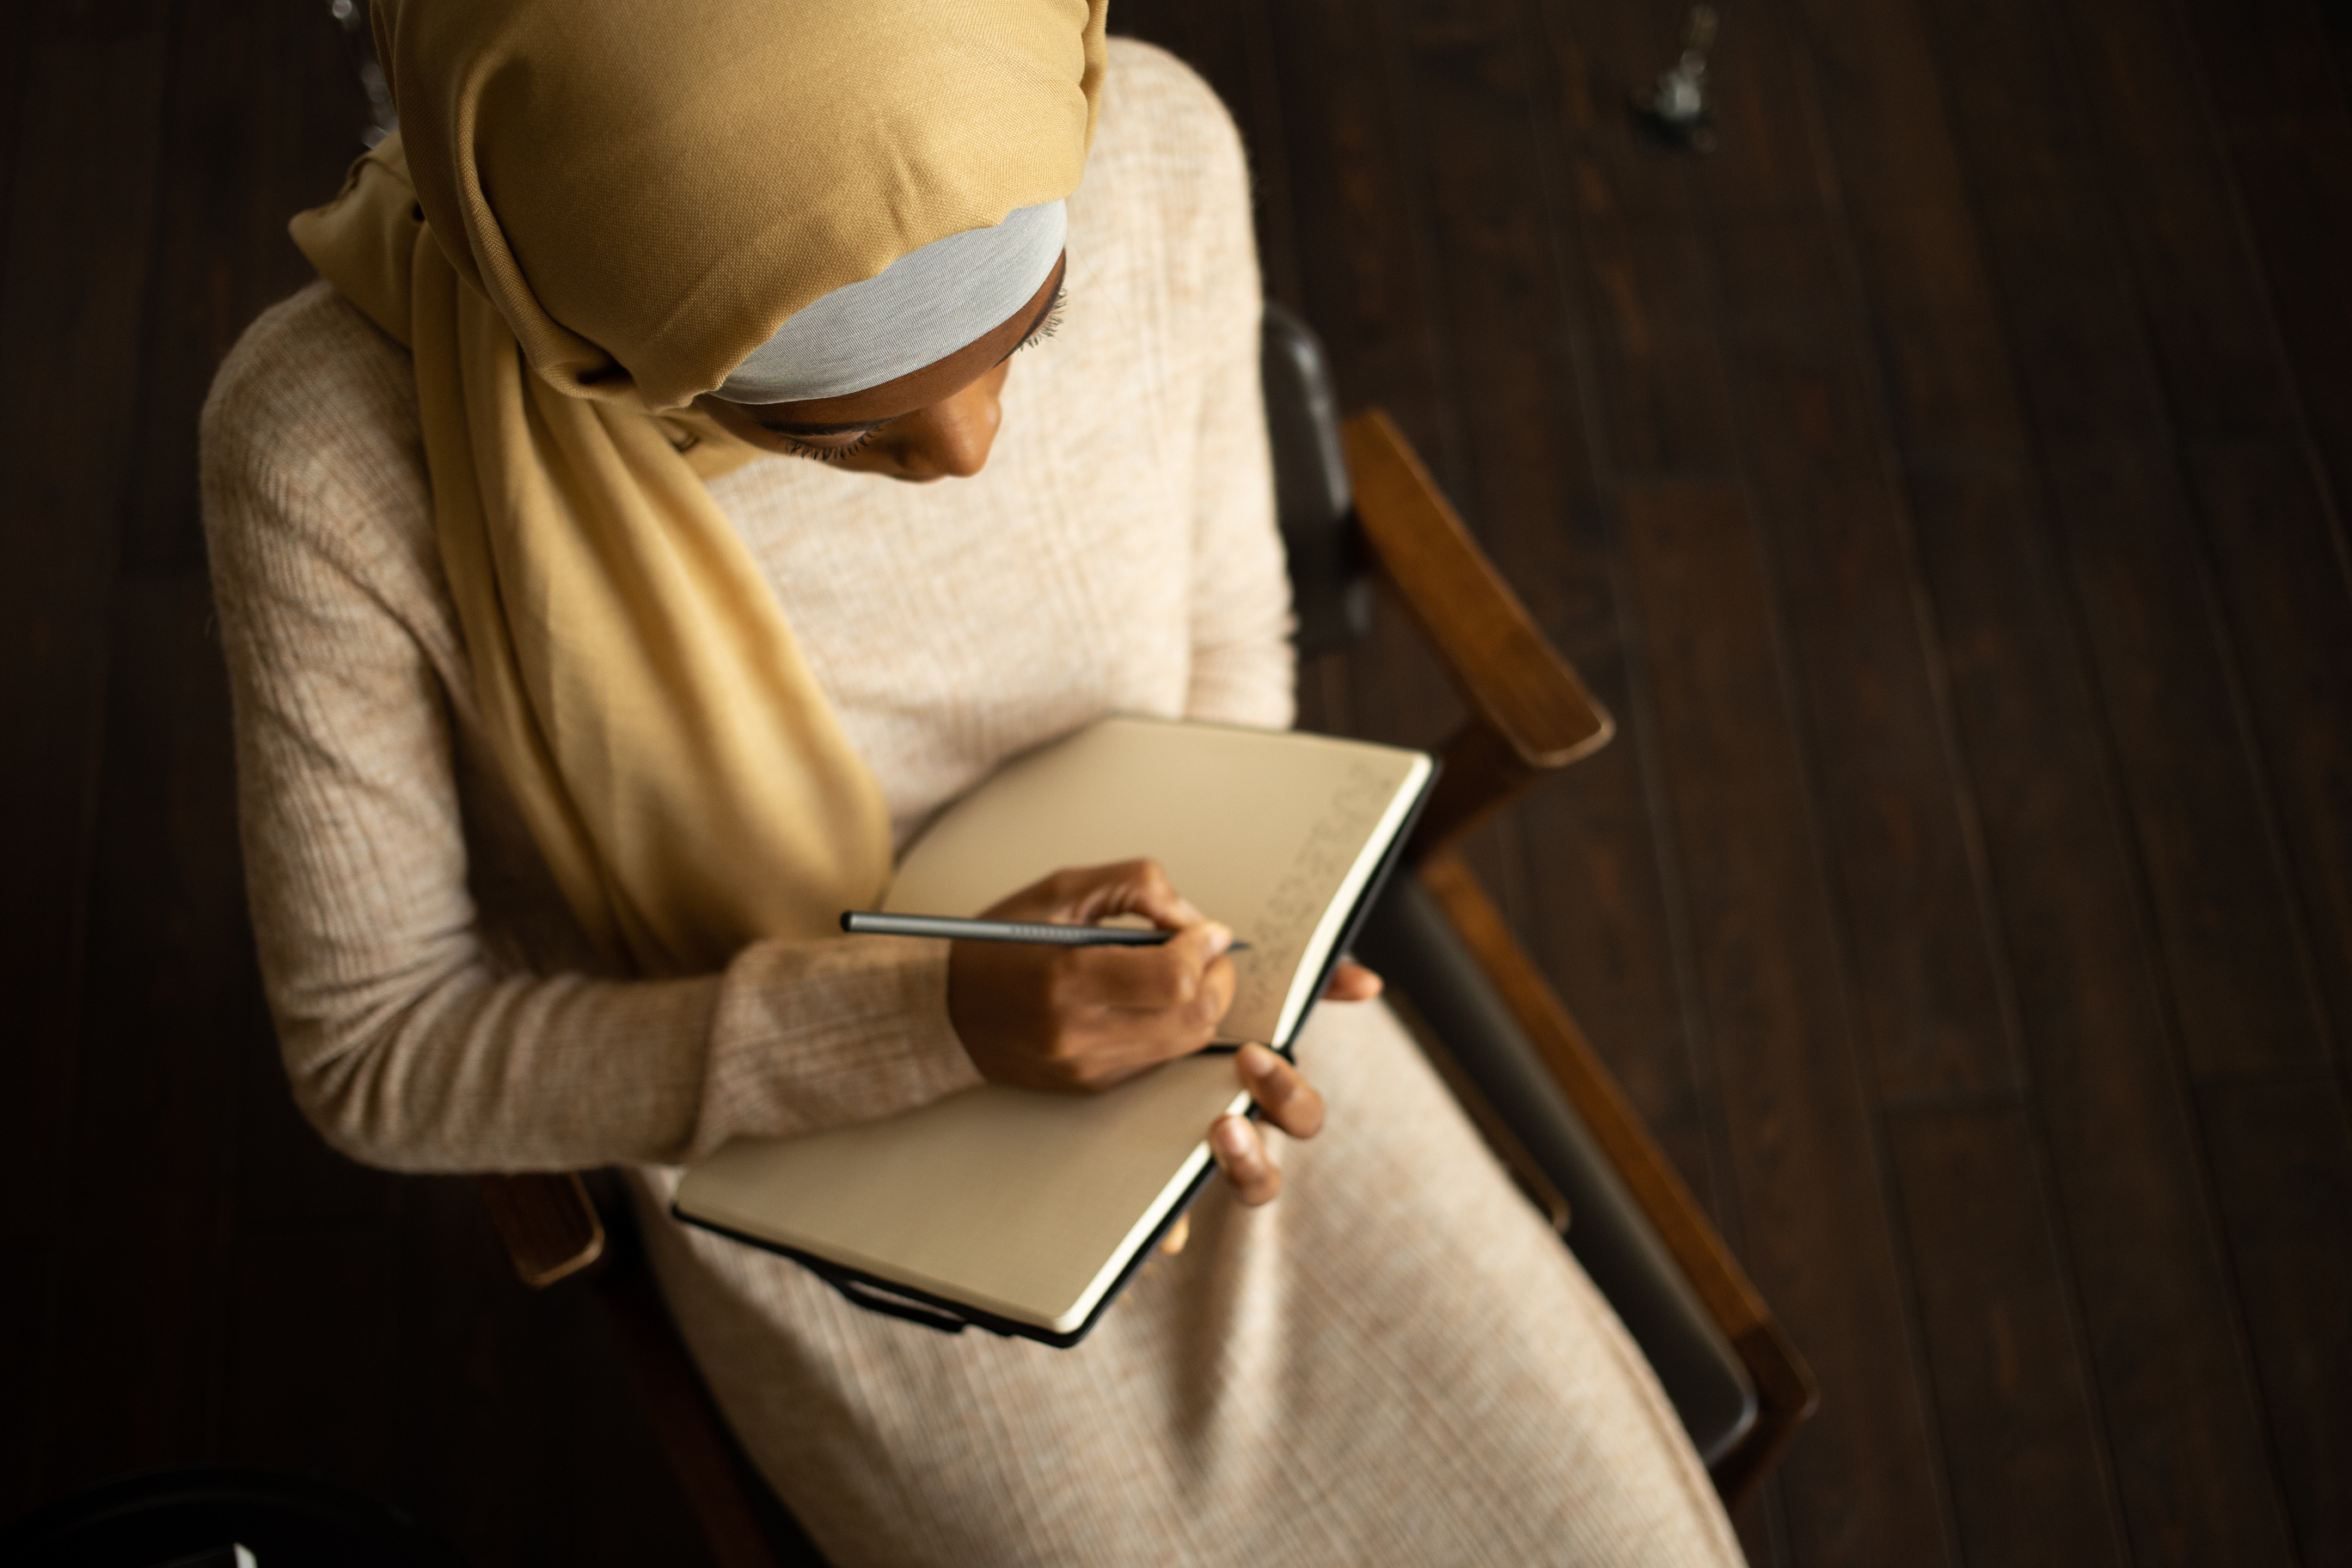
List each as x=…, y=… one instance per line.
x=1357, y=507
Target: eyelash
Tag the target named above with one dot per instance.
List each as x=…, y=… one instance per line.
x=832, y=454
x=1051, y=324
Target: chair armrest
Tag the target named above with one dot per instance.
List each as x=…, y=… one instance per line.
x=1529, y=712
x=1786, y=1390
x=549, y=1225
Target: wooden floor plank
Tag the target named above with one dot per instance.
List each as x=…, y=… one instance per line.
x=2337, y=21
x=18, y=34
x=265, y=112
x=2294, y=177
x=1895, y=808
x=2238, y=966
x=2226, y=376
x=2282, y=1165
x=29, y=1316
x=2168, y=197
x=1862, y=1485
x=169, y=997
x=2285, y=118
x=2283, y=620
x=1900, y=817
x=2267, y=526
x=1609, y=926
x=69, y=349
x=2144, y=1240
x=2285, y=114
x=2125, y=1153
x=2029, y=1483
x=325, y=1295
x=2237, y=959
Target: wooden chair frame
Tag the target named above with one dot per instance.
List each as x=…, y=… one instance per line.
x=1530, y=715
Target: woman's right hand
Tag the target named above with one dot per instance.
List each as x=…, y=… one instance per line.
x=1084, y=1018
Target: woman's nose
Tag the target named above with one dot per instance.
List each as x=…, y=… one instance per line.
x=952, y=438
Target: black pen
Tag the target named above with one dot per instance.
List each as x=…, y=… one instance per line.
x=871, y=923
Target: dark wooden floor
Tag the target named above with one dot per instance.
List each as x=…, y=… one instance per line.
x=1942, y=482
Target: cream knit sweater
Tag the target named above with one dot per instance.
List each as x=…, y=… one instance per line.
x=1396, y=1362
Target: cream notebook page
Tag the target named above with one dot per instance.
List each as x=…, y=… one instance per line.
x=1029, y=1205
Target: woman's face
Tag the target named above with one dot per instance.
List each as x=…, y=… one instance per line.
x=927, y=424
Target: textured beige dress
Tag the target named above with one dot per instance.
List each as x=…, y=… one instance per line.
x=1396, y=1362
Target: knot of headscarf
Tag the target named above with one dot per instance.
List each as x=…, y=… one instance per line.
x=594, y=211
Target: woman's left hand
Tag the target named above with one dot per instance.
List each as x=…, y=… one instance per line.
x=1288, y=1100
x=1351, y=982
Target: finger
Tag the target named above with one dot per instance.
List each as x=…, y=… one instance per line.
x=1079, y=894
x=1152, y=979
x=1242, y=1157
x=1281, y=1090
x=1177, y=1235
x=1351, y=982
x=1140, y=888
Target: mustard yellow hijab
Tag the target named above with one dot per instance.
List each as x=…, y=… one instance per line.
x=595, y=210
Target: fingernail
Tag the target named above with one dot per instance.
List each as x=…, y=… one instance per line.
x=1256, y=1061
x=1219, y=938
x=1187, y=913
x=1232, y=1136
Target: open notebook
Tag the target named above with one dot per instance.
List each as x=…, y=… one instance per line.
x=1023, y=1212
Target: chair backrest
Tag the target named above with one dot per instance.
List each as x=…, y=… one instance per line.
x=1330, y=578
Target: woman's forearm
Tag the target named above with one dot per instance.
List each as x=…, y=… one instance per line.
x=475, y=1070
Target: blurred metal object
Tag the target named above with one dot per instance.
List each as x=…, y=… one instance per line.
x=1677, y=112
x=358, y=40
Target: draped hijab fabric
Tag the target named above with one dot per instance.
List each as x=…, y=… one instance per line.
x=594, y=211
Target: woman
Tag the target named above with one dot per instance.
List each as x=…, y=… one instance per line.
x=585, y=662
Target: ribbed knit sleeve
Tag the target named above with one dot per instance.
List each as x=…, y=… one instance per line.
x=413, y=1038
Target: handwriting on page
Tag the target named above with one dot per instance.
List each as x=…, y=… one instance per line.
x=1279, y=937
